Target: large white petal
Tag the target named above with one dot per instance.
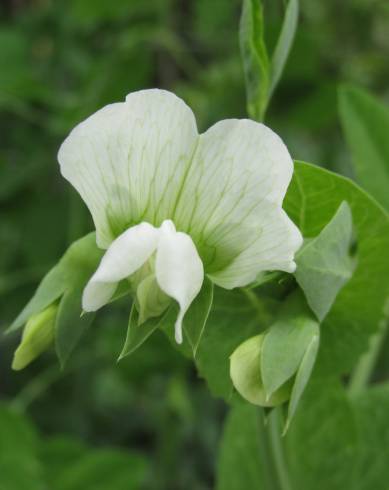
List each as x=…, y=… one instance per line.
x=231, y=202
x=124, y=256
x=128, y=160
x=179, y=270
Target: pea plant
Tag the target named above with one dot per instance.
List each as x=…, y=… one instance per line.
x=271, y=274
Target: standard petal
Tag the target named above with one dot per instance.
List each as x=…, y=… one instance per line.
x=128, y=160
x=124, y=256
x=179, y=270
x=239, y=174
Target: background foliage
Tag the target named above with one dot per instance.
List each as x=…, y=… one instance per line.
x=151, y=415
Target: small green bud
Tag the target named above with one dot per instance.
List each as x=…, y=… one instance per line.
x=37, y=336
x=245, y=371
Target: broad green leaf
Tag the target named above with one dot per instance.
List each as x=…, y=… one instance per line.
x=312, y=199
x=322, y=442
x=255, y=58
x=325, y=265
x=58, y=454
x=137, y=334
x=243, y=458
x=71, y=323
x=365, y=122
x=286, y=342
x=246, y=375
x=284, y=43
x=371, y=408
x=20, y=468
x=102, y=469
x=196, y=318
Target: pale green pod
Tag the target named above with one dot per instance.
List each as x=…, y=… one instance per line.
x=37, y=337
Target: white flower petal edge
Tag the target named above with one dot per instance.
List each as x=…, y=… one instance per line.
x=129, y=159
x=125, y=256
x=179, y=270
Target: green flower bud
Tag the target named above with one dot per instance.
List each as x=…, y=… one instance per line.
x=37, y=337
x=245, y=371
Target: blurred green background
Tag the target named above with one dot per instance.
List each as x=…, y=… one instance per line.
x=59, y=62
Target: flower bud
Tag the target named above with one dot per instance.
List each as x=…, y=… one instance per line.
x=245, y=371
x=37, y=336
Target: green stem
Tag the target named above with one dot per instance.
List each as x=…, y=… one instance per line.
x=365, y=367
x=276, y=447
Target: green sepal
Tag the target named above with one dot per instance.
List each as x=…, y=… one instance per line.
x=286, y=342
x=64, y=283
x=196, y=317
x=71, y=323
x=49, y=290
x=139, y=333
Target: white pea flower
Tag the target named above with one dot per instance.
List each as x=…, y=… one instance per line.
x=170, y=205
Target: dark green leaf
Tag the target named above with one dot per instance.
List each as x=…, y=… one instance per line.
x=365, y=122
x=372, y=407
x=324, y=265
x=103, y=469
x=232, y=320
x=19, y=465
x=322, y=442
x=242, y=460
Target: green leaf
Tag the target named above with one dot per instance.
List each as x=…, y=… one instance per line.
x=196, y=318
x=284, y=44
x=371, y=408
x=20, y=468
x=286, y=342
x=254, y=57
x=137, y=334
x=71, y=323
x=312, y=199
x=322, y=442
x=324, y=265
x=103, y=469
x=365, y=122
x=242, y=462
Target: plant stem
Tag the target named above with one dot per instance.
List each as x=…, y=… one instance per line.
x=367, y=362
x=277, y=450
